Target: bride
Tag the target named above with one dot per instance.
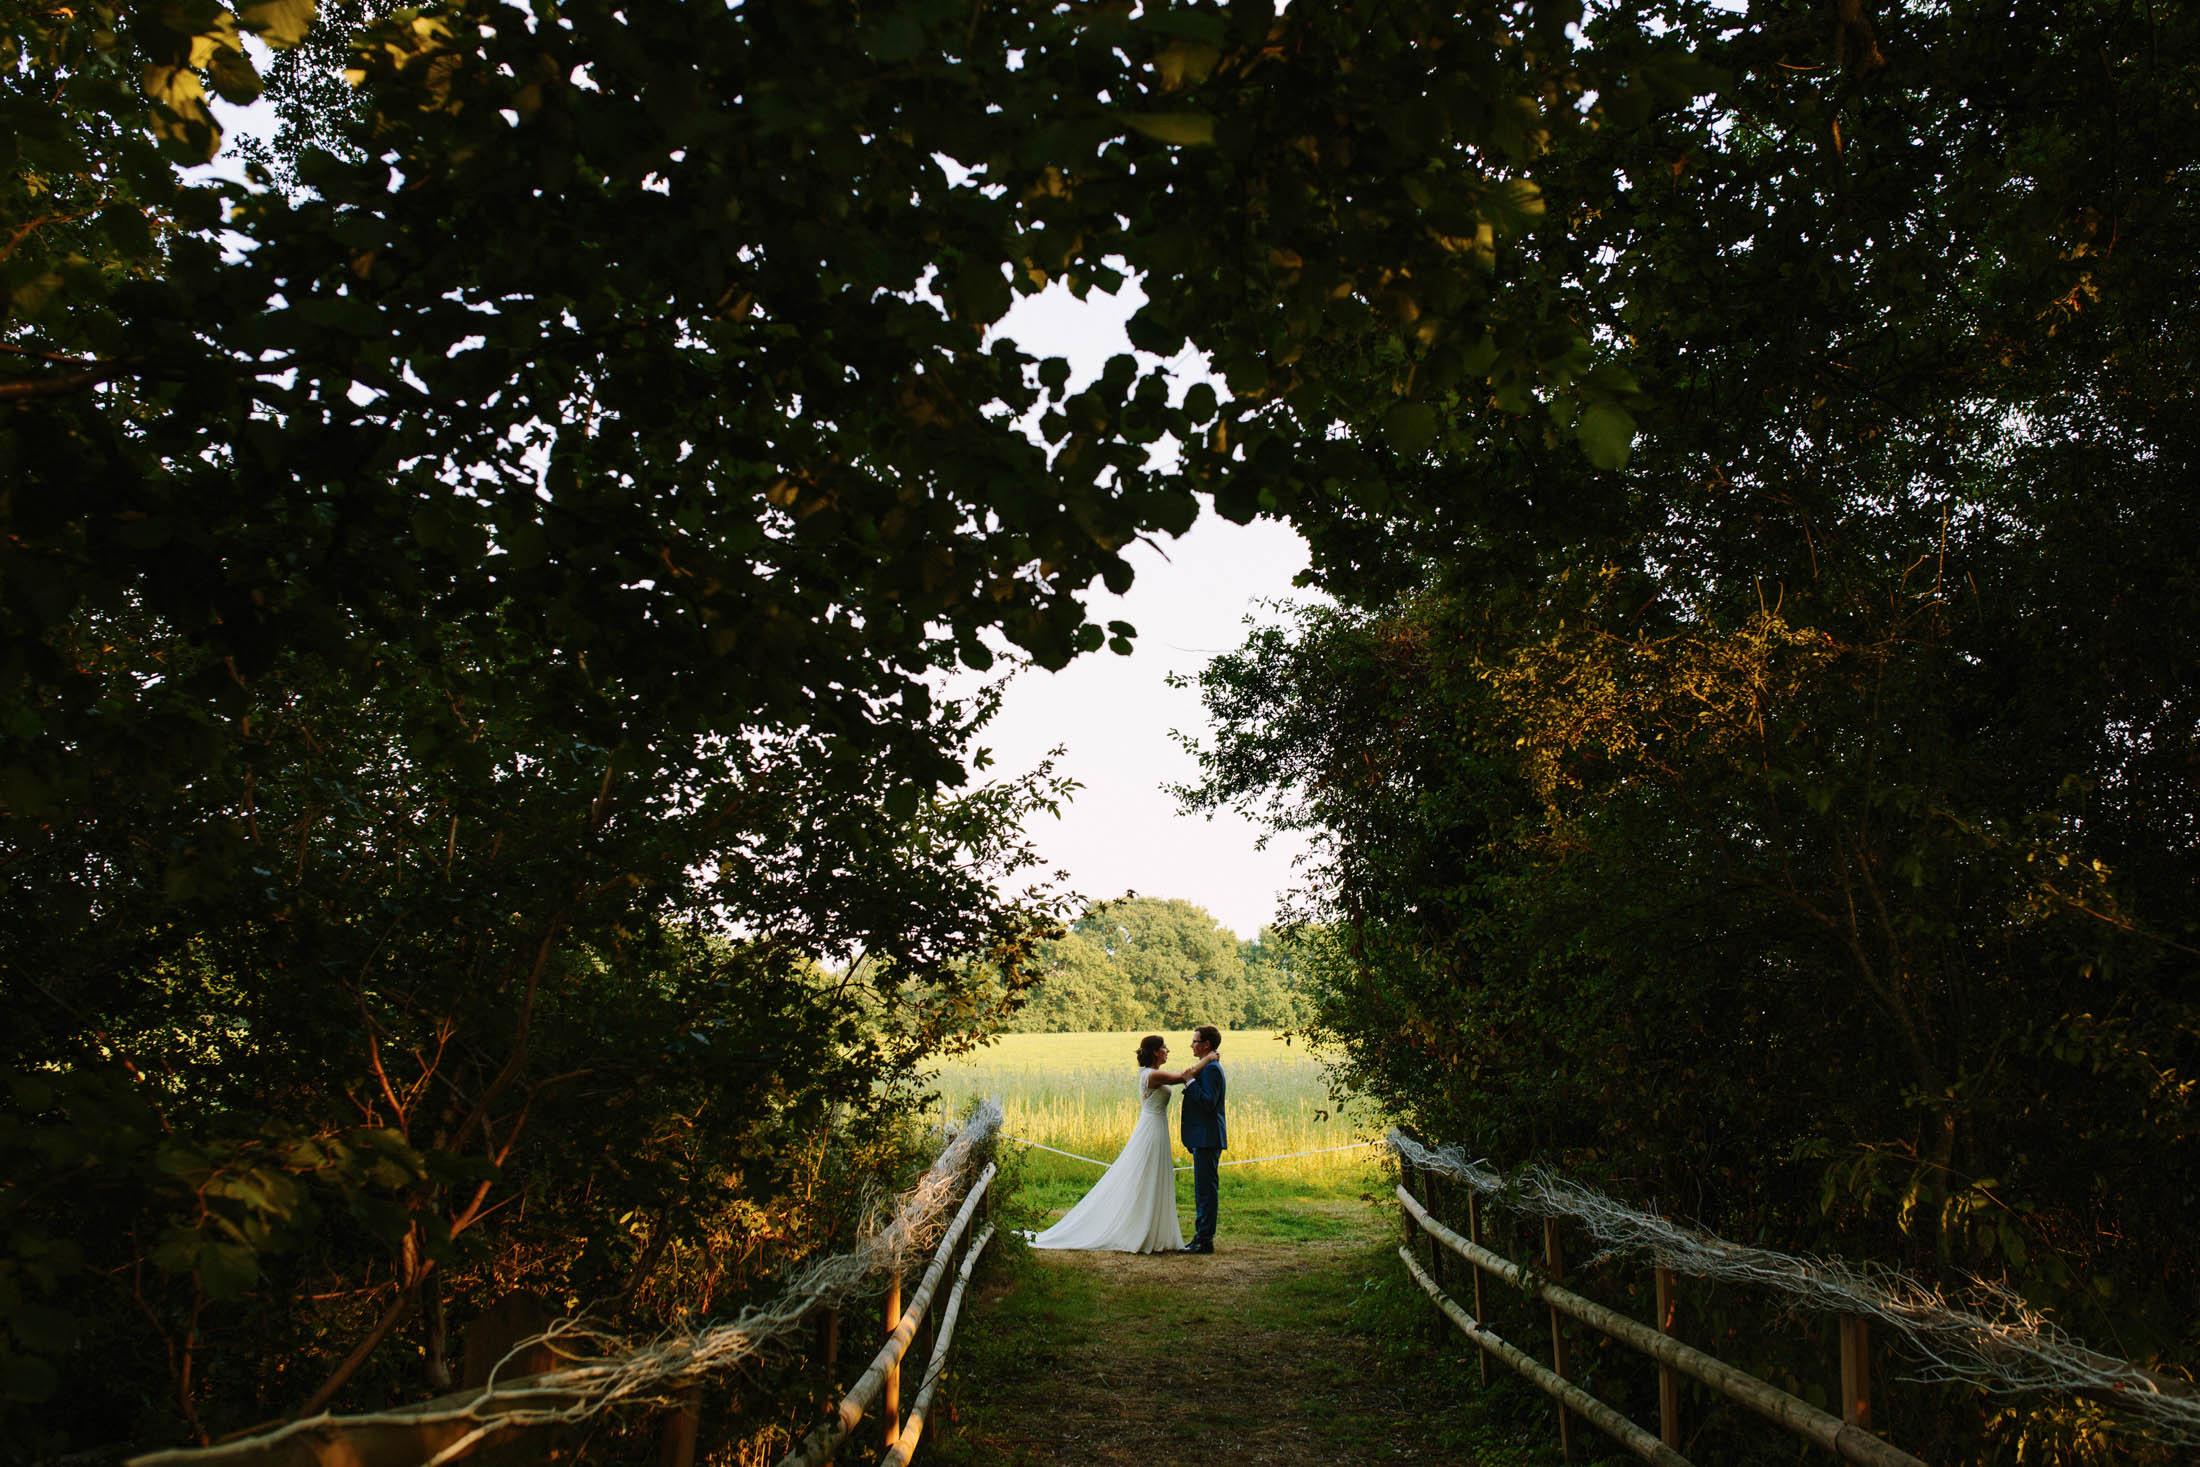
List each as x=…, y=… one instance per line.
x=1132, y=1209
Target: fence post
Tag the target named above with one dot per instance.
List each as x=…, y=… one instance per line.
x=1554, y=1262
x=932, y=1328
x=1474, y=1236
x=890, y=1404
x=1856, y=1372
x=676, y=1441
x=1436, y=1260
x=1669, y=1380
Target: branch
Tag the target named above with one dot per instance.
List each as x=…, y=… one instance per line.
x=407, y=1297
x=516, y=1060
x=374, y=1056
x=73, y=382
x=2119, y=923
x=58, y=358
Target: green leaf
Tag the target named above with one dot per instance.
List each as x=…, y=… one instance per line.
x=177, y=1251
x=180, y=118
x=182, y=1161
x=280, y=23
x=1182, y=129
x=30, y=1093
x=1149, y=332
x=234, y=76
x=1410, y=428
x=1182, y=62
x=174, y=86
x=228, y=1270
x=24, y=1378
x=1514, y=205
x=982, y=292
x=43, y=1327
x=1607, y=434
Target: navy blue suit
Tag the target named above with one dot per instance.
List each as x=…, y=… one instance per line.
x=1206, y=1133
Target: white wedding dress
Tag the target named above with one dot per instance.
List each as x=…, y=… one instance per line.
x=1132, y=1208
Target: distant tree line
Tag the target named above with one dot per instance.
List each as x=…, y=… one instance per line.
x=1155, y=963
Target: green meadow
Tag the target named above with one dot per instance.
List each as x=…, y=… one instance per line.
x=1078, y=1093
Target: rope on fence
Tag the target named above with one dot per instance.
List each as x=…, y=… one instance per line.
x=819, y=1446
x=1247, y=1161
x=617, y=1372
x=1990, y=1339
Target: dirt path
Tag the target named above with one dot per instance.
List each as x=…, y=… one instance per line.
x=1261, y=1351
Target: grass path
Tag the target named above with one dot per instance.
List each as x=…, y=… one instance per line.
x=1295, y=1343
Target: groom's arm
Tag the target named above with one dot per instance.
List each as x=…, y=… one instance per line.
x=1207, y=1084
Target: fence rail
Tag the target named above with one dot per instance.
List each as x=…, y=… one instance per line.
x=598, y=1373
x=1848, y=1439
x=883, y=1378
x=905, y=1442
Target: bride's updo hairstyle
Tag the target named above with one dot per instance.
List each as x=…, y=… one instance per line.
x=1149, y=1050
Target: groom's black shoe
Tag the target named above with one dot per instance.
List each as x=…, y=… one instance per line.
x=1196, y=1246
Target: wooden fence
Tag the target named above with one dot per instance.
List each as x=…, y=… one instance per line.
x=1847, y=1436
x=507, y=1415
x=880, y=1384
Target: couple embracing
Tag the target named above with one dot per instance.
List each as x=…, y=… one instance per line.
x=1132, y=1208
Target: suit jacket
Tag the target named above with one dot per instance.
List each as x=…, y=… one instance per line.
x=1204, y=1126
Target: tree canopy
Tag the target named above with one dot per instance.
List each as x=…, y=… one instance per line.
x=1799, y=824
x=474, y=593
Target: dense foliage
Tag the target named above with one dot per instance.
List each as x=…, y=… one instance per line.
x=1799, y=827
x=1150, y=963
x=473, y=593
x=472, y=597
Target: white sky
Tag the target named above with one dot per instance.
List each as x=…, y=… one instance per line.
x=1115, y=715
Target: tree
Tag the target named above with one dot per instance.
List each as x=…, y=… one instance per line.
x=1079, y=988
x=1154, y=963
x=1274, y=973
x=453, y=573
x=1804, y=804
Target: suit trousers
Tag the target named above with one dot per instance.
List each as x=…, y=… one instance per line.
x=1205, y=1192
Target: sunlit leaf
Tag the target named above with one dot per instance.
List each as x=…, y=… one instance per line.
x=280, y=23
x=1184, y=129
x=235, y=78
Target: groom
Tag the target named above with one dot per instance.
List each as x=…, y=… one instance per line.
x=1206, y=1135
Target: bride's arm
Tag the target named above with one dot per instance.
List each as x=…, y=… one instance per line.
x=1177, y=1077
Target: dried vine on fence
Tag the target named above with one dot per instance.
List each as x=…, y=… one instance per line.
x=1988, y=1337
x=604, y=1371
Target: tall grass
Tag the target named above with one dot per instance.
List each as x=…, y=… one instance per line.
x=1079, y=1092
